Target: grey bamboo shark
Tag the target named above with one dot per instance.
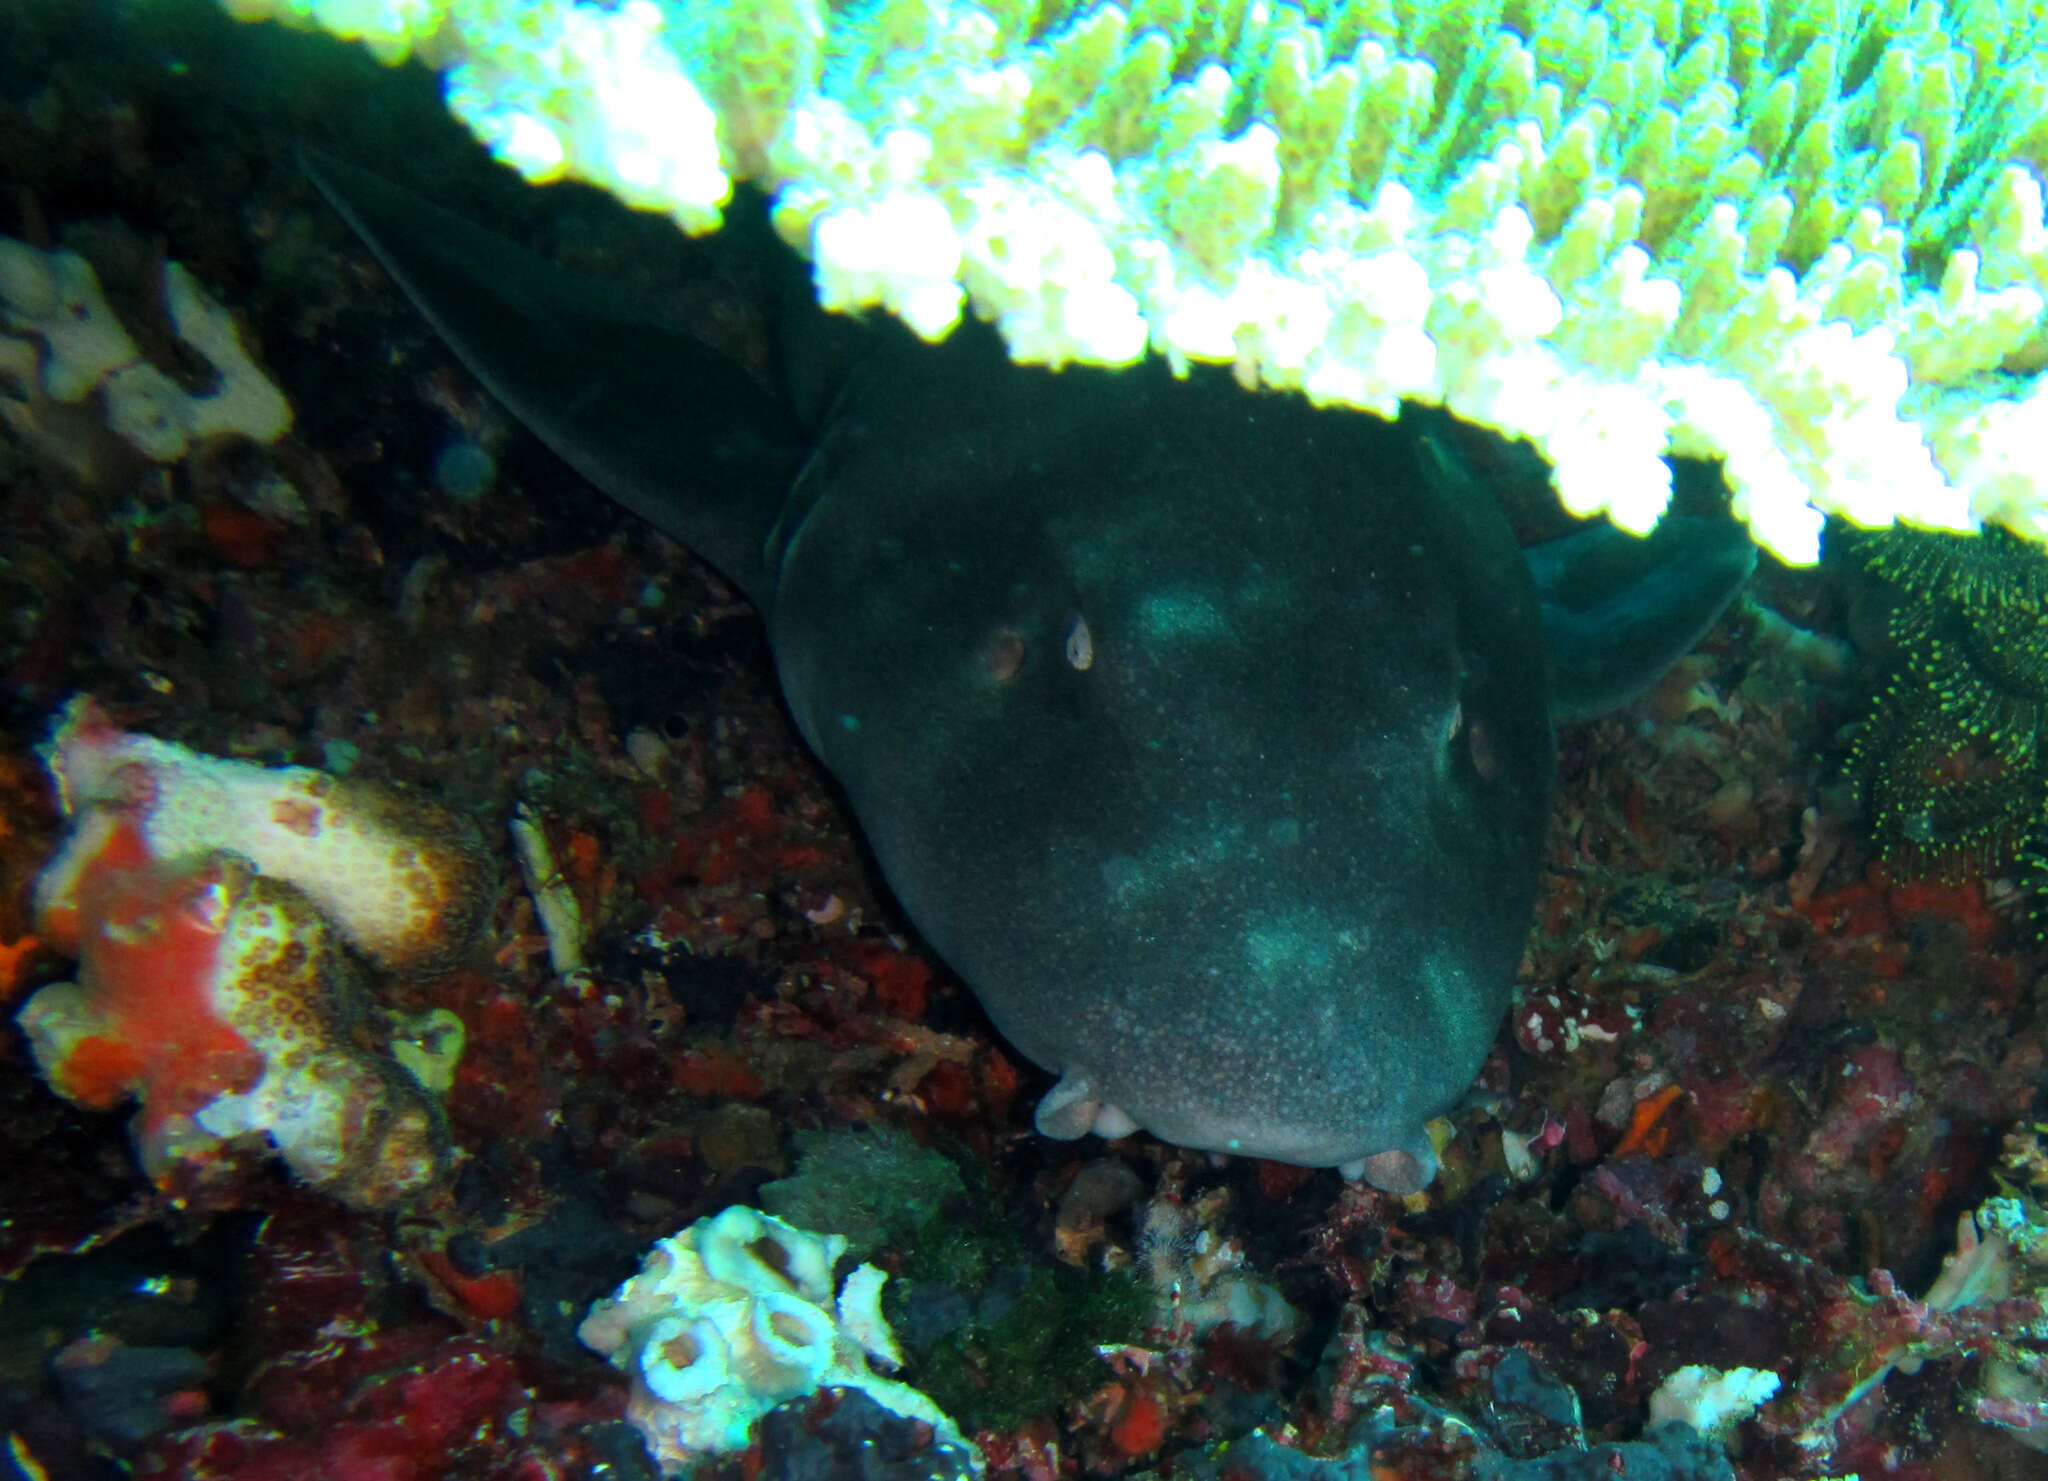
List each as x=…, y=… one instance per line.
x=1207, y=735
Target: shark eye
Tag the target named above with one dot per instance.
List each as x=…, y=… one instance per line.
x=1080, y=644
x=1003, y=654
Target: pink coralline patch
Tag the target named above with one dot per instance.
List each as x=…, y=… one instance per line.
x=403, y=880
x=410, y=1424
x=1963, y=903
x=216, y=997
x=1435, y=1296
x=142, y=1021
x=1723, y=1109
x=216, y=993
x=1872, y=1091
x=1641, y=1192
x=294, y=816
x=1852, y=1339
x=2025, y=1415
x=1559, y=1023
x=1878, y=910
x=902, y=982
x=1369, y=1371
x=338, y=1376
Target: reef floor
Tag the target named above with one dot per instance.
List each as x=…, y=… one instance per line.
x=1751, y=1088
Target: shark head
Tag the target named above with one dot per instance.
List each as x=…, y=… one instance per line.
x=1206, y=735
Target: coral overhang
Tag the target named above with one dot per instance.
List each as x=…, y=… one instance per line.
x=1801, y=239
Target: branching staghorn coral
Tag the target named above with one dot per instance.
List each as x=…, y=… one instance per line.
x=1805, y=238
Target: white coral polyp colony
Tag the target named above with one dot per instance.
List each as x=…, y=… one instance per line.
x=735, y=1315
x=1802, y=238
x=60, y=341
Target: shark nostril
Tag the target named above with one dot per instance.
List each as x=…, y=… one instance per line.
x=1477, y=740
x=1485, y=759
x=1003, y=654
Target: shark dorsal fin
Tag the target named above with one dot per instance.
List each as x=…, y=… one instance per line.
x=670, y=428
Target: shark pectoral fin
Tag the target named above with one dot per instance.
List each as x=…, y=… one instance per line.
x=665, y=425
x=1620, y=609
x=1405, y=1169
x=1112, y=1122
x=1068, y=1110
x=1071, y=1109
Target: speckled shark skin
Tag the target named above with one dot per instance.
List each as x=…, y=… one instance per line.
x=1207, y=736
x=1245, y=846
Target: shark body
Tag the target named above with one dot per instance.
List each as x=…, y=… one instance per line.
x=1206, y=735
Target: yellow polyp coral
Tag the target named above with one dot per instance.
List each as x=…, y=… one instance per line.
x=1950, y=762
x=1805, y=239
